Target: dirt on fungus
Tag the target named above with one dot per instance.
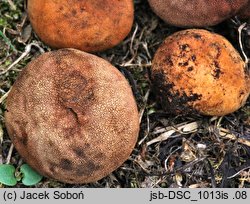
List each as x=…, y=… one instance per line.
x=176, y=102
x=200, y=151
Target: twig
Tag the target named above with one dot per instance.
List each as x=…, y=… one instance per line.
x=238, y=172
x=145, y=100
x=26, y=52
x=166, y=160
x=132, y=40
x=148, y=129
x=145, y=46
x=210, y=168
x=193, y=127
x=225, y=134
x=131, y=48
x=9, y=153
x=1, y=141
x=127, y=64
x=7, y=41
x=240, y=42
x=12, y=5
x=184, y=129
x=4, y=96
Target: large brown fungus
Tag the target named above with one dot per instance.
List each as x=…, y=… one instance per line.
x=72, y=116
x=198, y=13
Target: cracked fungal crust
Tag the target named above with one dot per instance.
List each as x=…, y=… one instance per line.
x=67, y=119
x=196, y=13
x=195, y=71
x=86, y=25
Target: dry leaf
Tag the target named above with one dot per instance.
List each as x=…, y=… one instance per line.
x=183, y=129
x=189, y=151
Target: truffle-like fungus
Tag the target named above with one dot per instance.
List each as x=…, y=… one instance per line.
x=89, y=25
x=196, y=71
x=72, y=116
x=196, y=13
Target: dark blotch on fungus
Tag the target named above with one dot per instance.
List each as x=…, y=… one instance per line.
x=173, y=102
x=66, y=164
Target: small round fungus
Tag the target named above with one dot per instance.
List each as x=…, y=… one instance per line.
x=72, y=116
x=89, y=25
x=198, y=13
x=196, y=71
